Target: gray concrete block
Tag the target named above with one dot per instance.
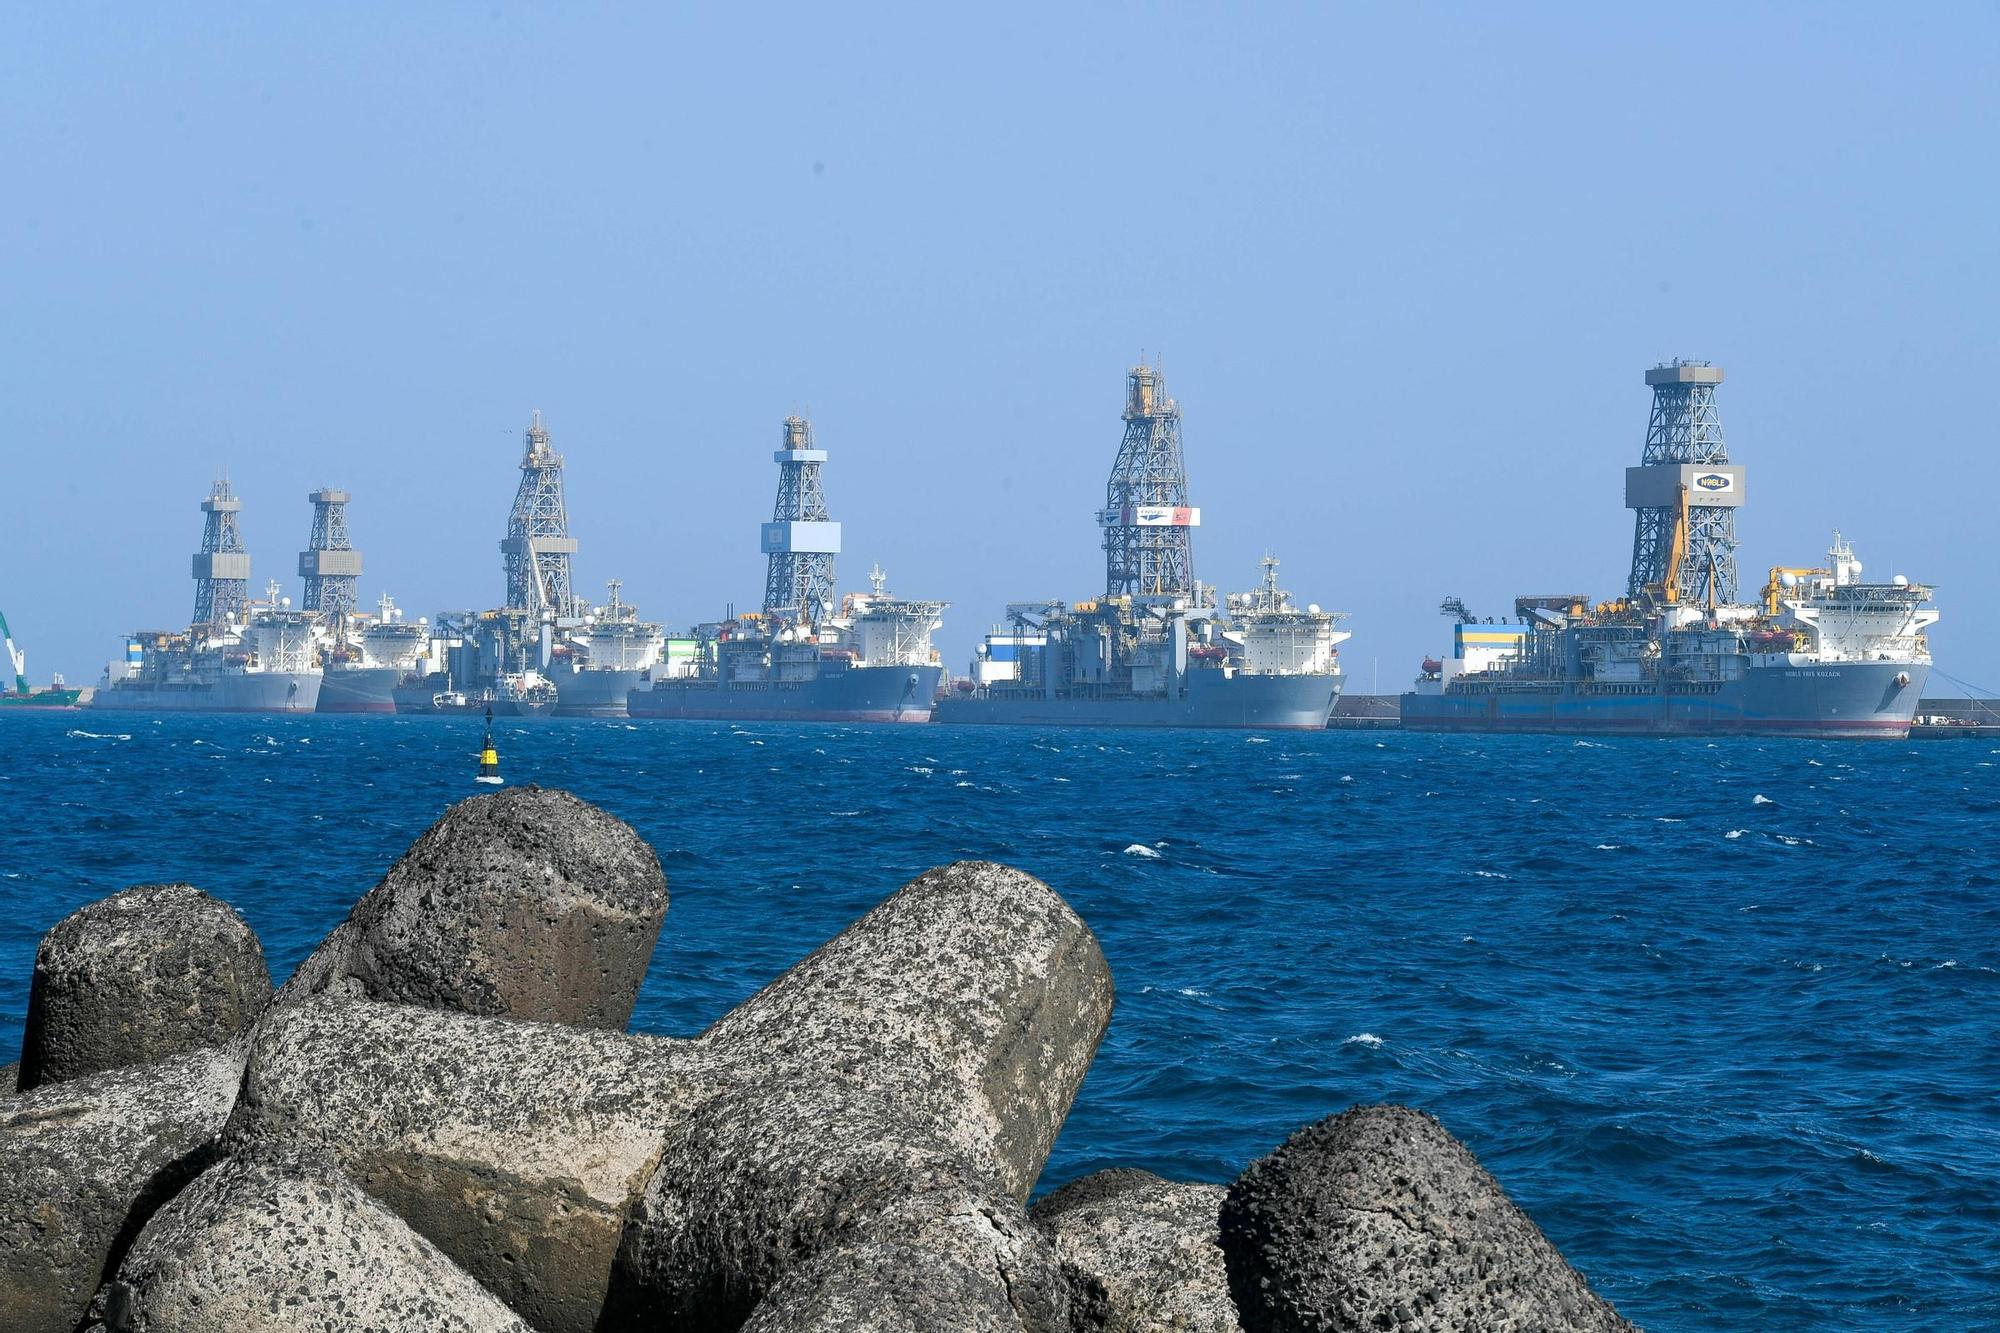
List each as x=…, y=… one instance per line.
x=973, y=997
x=85, y=1162
x=1379, y=1218
x=152, y=972
x=282, y=1242
x=1140, y=1253
x=517, y=1148
x=527, y=903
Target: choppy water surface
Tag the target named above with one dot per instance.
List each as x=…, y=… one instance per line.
x=1721, y=1016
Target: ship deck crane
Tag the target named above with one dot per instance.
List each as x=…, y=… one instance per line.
x=1775, y=585
x=1670, y=588
x=17, y=662
x=1456, y=608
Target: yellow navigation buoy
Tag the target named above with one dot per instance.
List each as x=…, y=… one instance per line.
x=489, y=758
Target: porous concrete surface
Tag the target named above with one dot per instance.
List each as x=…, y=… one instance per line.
x=764, y=1178
x=280, y=1241
x=942, y=1259
x=973, y=994
x=1379, y=1219
x=1140, y=1253
x=152, y=972
x=527, y=903
x=517, y=1148
x=83, y=1163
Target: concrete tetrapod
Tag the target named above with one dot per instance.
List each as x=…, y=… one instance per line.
x=84, y=1162
x=973, y=998
x=765, y=1179
x=1379, y=1218
x=938, y=1261
x=518, y=1149
x=282, y=1242
x=1139, y=1252
x=152, y=972
x=528, y=903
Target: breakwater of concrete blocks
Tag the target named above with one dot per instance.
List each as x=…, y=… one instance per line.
x=440, y=1122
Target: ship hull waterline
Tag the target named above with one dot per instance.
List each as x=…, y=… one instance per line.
x=263, y=692
x=596, y=691
x=1837, y=701
x=1224, y=703
x=887, y=694
x=42, y=701
x=359, y=690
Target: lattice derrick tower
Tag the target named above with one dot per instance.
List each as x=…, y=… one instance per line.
x=538, y=546
x=222, y=567
x=1147, y=521
x=801, y=540
x=330, y=565
x=1685, y=452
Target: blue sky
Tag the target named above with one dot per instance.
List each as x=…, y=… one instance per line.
x=1404, y=267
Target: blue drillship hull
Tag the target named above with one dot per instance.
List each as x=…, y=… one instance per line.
x=1842, y=700
x=839, y=693
x=1212, y=699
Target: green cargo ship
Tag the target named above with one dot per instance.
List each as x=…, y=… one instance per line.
x=22, y=696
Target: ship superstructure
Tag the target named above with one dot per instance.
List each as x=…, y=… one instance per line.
x=601, y=662
x=367, y=656
x=1155, y=650
x=1823, y=653
x=801, y=658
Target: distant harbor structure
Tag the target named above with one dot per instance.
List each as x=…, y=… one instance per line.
x=801, y=658
x=1155, y=650
x=1821, y=653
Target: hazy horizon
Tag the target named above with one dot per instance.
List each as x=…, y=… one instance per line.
x=1404, y=271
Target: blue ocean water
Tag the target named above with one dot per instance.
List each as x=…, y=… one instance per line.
x=1722, y=1016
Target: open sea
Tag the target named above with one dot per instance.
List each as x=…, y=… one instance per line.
x=1724, y=1017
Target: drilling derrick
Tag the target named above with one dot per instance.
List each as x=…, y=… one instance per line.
x=1148, y=524
x=330, y=565
x=538, y=544
x=222, y=569
x=800, y=539
x=1685, y=470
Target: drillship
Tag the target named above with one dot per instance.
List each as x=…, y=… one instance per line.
x=1823, y=653
x=496, y=659
x=1155, y=651
x=800, y=659
x=237, y=656
x=604, y=661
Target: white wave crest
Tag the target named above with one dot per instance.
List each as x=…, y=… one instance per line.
x=1141, y=849
x=82, y=735
x=1761, y=799
x=1367, y=1039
